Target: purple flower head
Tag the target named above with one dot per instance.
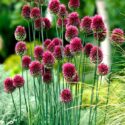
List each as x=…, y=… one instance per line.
x=47, y=42
x=26, y=61
x=62, y=11
x=61, y=22
x=47, y=77
x=67, y=52
x=26, y=12
x=74, y=4
x=87, y=48
x=103, y=69
x=35, y=13
x=39, y=23
x=47, y=23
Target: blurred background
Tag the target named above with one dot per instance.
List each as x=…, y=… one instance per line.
x=10, y=17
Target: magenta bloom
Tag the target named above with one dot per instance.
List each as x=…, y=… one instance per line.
x=26, y=11
x=54, y=6
x=57, y=41
x=51, y=47
x=73, y=19
x=117, y=36
x=61, y=22
x=71, y=32
x=100, y=36
x=20, y=48
x=103, y=69
x=47, y=77
x=20, y=33
x=39, y=23
x=68, y=70
x=96, y=55
x=47, y=23
x=35, y=68
x=87, y=48
x=35, y=13
x=76, y=45
x=62, y=11
x=18, y=81
x=48, y=59
x=66, y=96
x=25, y=62
x=67, y=52
x=8, y=85
x=38, y=52
x=85, y=24
x=74, y=4
x=58, y=52
x=47, y=42
x=97, y=24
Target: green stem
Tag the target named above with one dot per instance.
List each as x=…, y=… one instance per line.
x=20, y=105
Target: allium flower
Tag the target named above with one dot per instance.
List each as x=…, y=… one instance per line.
x=117, y=36
x=66, y=96
x=67, y=52
x=38, y=52
x=71, y=32
x=47, y=77
x=39, y=23
x=8, y=85
x=48, y=59
x=45, y=70
x=54, y=6
x=87, y=48
x=74, y=4
x=68, y=70
x=61, y=22
x=47, y=42
x=26, y=11
x=96, y=55
x=18, y=81
x=35, y=13
x=100, y=36
x=76, y=45
x=58, y=52
x=73, y=19
x=25, y=62
x=62, y=11
x=20, y=48
x=85, y=24
x=35, y=68
x=20, y=33
x=97, y=24
x=103, y=69
x=51, y=47
x=47, y=23
x=57, y=41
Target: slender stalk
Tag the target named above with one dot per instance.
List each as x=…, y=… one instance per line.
x=20, y=105
x=14, y=107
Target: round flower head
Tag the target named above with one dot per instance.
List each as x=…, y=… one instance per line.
x=61, y=22
x=74, y=4
x=47, y=23
x=57, y=41
x=96, y=55
x=73, y=19
x=62, y=11
x=103, y=69
x=54, y=6
x=25, y=62
x=71, y=32
x=38, y=52
x=35, y=68
x=67, y=52
x=20, y=33
x=58, y=52
x=48, y=59
x=39, y=23
x=97, y=24
x=45, y=70
x=85, y=24
x=100, y=36
x=66, y=96
x=47, y=42
x=35, y=13
x=76, y=45
x=68, y=70
x=8, y=85
x=18, y=81
x=117, y=36
x=51, y=47
x=87, y=48
x=20, y=48
x=47, y=77
x=26, y=11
